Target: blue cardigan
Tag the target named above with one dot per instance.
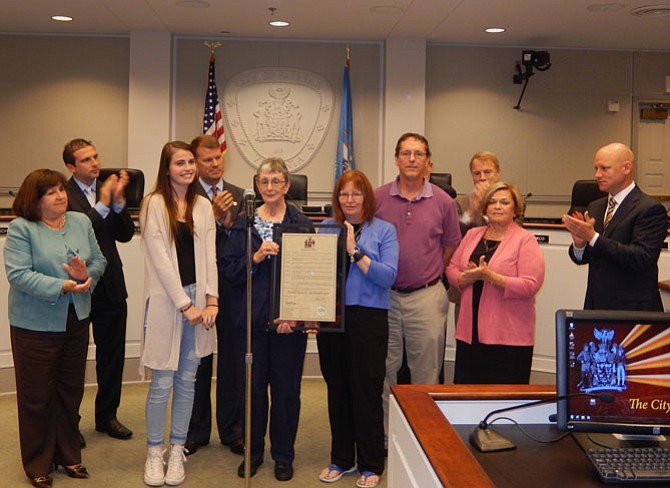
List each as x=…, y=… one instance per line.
x=34, y=257
x=378, y=240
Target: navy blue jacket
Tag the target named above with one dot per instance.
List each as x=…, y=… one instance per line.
x=232, y=265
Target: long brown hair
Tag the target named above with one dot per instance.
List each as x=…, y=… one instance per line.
x=362, y=184
x=164, y=188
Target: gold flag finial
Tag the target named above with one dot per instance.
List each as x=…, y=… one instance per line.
x=348, y=55
x=212, y=45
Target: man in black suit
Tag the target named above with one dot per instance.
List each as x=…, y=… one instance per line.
x=620, y=236
x=227, y=200
x=105, y=205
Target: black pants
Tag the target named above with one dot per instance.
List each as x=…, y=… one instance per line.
x=278, y=361
x=49, y=369
x=353, y=365
x=229, y=412
x=492, y=364
x=109, y=334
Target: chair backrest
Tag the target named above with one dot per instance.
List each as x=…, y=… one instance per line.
x=440, y=179
x=297, y=192
x=135, y=188
x=583, y=193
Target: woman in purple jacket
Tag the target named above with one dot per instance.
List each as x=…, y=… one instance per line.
x=499, y=268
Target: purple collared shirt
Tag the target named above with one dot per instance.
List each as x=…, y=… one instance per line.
x=425, y=225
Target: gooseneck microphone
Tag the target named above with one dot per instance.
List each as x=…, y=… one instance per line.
x=487, y=440
x=249, y=204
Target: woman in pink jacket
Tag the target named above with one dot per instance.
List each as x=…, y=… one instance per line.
x=498, y=268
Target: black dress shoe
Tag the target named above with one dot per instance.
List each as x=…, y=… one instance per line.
x=42, y=481
x=82, y=441
x=114, y=428
x=191, y=446
x=78, y=472
x=283, y=471
x=254, y=467
x=237, y=447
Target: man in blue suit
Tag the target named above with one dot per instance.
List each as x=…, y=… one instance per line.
x=620, y=236
x=105, y=205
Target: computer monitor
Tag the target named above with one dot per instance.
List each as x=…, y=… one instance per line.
x=624, y=354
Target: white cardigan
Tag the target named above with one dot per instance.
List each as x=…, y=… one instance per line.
x=164, y=295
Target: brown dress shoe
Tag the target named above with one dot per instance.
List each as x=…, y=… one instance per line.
x=114, y=428
x=42, y=481
x=78, y=472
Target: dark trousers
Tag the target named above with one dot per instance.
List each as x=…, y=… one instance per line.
x=492, y=364
x=49, y=369
x=278, y=361
x=228, y=396
x=353, y=365
x=109, y=334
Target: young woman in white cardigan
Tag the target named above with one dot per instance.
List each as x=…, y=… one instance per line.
x=178, y=237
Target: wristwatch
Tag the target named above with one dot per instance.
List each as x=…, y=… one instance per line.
x=356, y=256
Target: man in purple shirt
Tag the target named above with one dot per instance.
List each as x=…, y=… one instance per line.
x=426, y=220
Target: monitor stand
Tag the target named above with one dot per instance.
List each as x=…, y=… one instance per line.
x=594, y=440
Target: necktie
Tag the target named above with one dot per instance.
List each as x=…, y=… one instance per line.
x=215, y=192
x=90, y=194
x=610, y=211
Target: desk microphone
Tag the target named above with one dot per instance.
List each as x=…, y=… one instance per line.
x=487, y=440
x=249, y=204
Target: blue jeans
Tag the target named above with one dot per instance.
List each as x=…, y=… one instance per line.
x=182, y=385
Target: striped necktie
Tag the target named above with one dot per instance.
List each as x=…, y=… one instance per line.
x=611, y=204
x=215, y=192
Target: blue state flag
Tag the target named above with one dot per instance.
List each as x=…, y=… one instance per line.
x=345, y=140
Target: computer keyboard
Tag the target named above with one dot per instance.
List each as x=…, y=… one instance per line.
x=632, y=465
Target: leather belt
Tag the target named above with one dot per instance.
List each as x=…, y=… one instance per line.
x=410, y=290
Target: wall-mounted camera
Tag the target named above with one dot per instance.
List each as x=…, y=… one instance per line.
x=530, y=59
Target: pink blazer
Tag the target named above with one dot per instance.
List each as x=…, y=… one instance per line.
x=506, y=316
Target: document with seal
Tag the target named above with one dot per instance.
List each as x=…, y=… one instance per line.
x=309, y=276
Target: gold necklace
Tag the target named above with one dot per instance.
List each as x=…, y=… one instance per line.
x=61, y=223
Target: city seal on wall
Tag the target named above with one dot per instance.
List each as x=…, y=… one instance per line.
x=278, y=112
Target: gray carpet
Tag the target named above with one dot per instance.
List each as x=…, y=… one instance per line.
x=116, y=463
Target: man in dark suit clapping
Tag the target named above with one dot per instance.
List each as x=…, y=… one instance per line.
x=105, y=205
x=620, y=236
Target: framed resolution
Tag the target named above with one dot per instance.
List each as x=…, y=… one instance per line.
x=309, y=275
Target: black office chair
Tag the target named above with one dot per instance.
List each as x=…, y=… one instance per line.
x=583, y=193
x=443, y=180
x=297, y=192
x=134, y=190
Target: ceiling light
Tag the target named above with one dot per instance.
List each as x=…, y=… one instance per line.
x=651, y=11
x=495, y=30
x=277, y=22
x=61, y=18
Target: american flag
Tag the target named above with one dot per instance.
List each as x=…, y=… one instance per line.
x=212, y=122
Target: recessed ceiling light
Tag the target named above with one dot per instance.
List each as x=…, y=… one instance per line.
x=61, y=18
x=495, y=30
x=278, y=23
x=651, y=11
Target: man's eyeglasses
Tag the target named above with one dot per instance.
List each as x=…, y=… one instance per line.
x=273, y=182
x=408, y=154
x=347, y=196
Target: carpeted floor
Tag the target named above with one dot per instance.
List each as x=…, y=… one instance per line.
x=116, y=463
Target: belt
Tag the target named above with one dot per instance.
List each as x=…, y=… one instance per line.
x=410, y=290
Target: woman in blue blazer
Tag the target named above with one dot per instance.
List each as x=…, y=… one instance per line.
x=53, y=262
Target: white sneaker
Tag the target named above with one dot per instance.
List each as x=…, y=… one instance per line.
x=175, y=471
x=153, y=468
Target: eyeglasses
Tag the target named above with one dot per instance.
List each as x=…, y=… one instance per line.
x=273, y=182
x=353, y=196
x=408, y=154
